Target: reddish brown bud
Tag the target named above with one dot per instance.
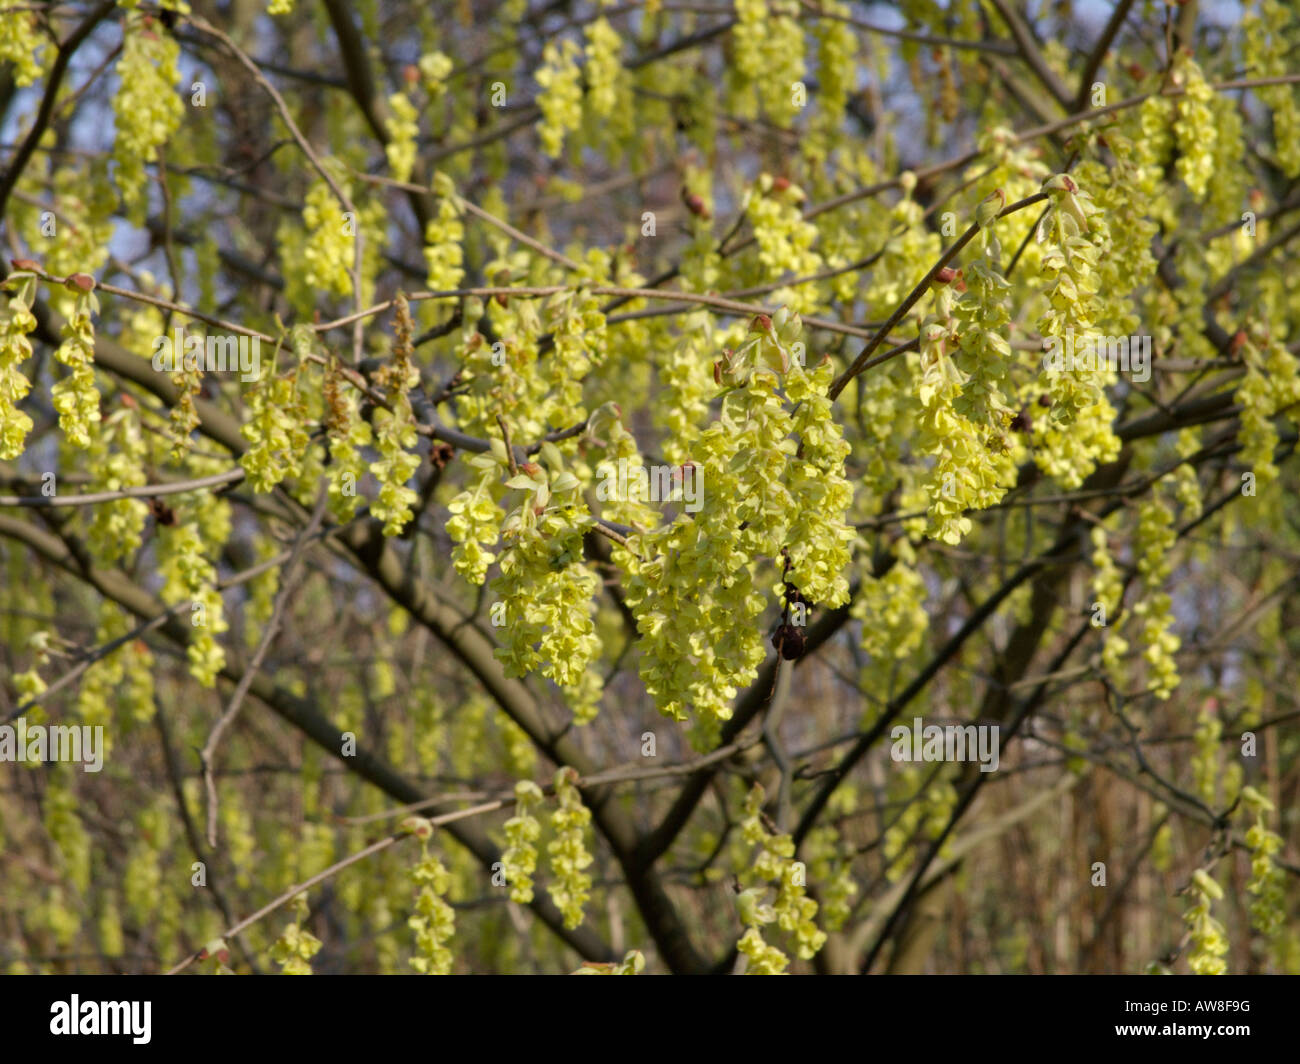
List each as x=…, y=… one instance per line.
x=789, y=641
x=411, y=73
x=1044, y=401
x=695, y=204
x=1237, y=342
x=780, y=184
x=761, y=324
x=945, y=275
x=81, y=280
x=531, y=468
x=26, y=264
x=717, y=373
x=162, y=513
x=441, y=454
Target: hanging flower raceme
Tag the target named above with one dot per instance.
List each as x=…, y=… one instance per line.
x=403, y=129
x=276, y=429
x=963, y=475
x=115, y=461
x=1194, y=128
x=570, y=884
x=1108, y=597
x=819, y=539
x=1209, y=940
x=16, y=321
x=347, y=434
x=395, y=428
x=1268, y=53
x=1070, y=262
x=692, y=587
x=768, y=59
x=1267, y=880
x=443, y=239
x=296, y=946
x=75, y=397
x=545, y=585
x=560, y=100
x=147, y=109
x=1271, y=384
x=21, y=44
x=475, y=521
x=983, y=355
x=607, y=81
x=519, y=858
x=792, y=910
x=434, y=921
x=1153, y=541
x=190, y=577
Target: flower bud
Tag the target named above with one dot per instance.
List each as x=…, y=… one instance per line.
x=989, y=208
x=695, y=204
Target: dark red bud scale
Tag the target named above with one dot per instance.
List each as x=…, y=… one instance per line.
x=790, y=641
x=162, y=513
x=695, y=203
